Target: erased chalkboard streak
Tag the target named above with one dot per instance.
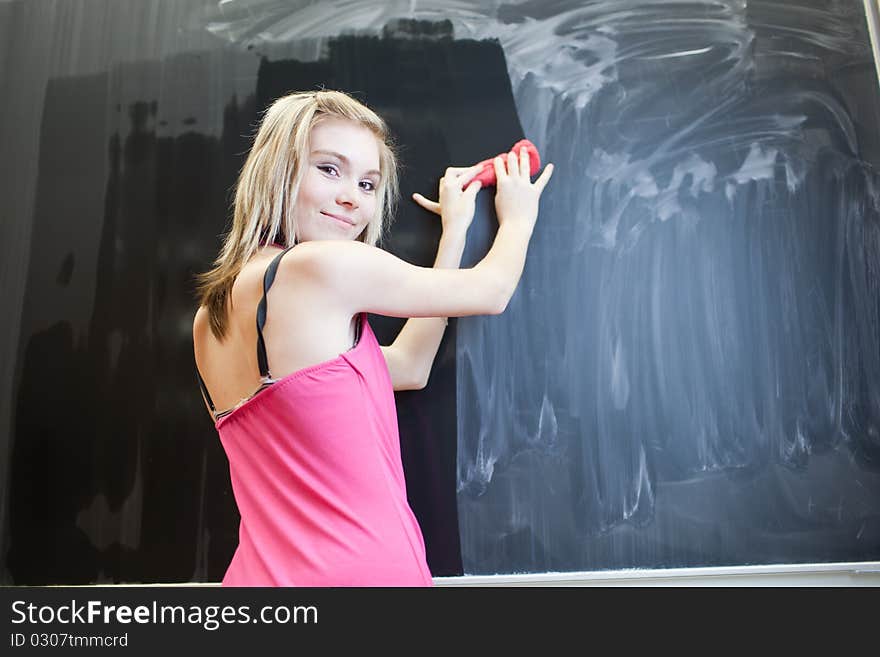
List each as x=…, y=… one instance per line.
x=689, y=374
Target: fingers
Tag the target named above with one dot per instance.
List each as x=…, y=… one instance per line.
x=473, y=188
x=454, y=171
x=500, y=171
x=459, y=177
x=513, y=164
x=462, y=175
x=518, y=163
x=432, y=206
x=544, y=178
x=468, y=174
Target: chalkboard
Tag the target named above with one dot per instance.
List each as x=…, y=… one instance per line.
x=688, y=374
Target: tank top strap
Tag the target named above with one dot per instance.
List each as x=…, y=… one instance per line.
x=268, y=279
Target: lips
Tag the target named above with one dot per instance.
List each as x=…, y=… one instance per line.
x=339, y=218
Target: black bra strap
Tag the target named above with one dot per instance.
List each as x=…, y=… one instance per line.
x=205, y=391
x=268, y=279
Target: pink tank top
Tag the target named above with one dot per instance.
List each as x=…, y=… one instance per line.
x=315, y=465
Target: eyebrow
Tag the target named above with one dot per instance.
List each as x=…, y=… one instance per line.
x=344, y=160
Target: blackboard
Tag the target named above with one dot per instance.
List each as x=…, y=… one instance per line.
x=687, y=376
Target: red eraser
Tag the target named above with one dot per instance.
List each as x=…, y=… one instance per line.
x=487, y=174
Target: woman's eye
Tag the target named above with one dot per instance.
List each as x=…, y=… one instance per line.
x=368, y=185
x=326, y=168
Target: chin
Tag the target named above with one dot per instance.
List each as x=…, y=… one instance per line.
x=326, y=238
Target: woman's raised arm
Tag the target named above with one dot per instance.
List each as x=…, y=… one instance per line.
x=364, y=278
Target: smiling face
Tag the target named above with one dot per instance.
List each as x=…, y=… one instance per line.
x=338, y=194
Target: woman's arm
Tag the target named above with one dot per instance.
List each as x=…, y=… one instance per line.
x=411, y=355
x=362, y=278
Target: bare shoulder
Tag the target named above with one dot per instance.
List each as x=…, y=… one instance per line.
x=201, y=323
x=327, y=268
x=325, y=257
x=247, y=290
x=355, y=277
x=342, y=265
x=201, y=334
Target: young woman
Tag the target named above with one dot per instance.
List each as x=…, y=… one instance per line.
x=299, y=389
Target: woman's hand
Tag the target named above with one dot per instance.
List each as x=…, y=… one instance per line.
x=516, y=199
x=457, y=198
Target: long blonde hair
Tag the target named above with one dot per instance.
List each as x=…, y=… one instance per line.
x=267, y=188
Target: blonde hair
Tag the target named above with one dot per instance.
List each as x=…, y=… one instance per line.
x=267, y=187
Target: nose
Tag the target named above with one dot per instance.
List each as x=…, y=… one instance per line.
x=347, y=195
